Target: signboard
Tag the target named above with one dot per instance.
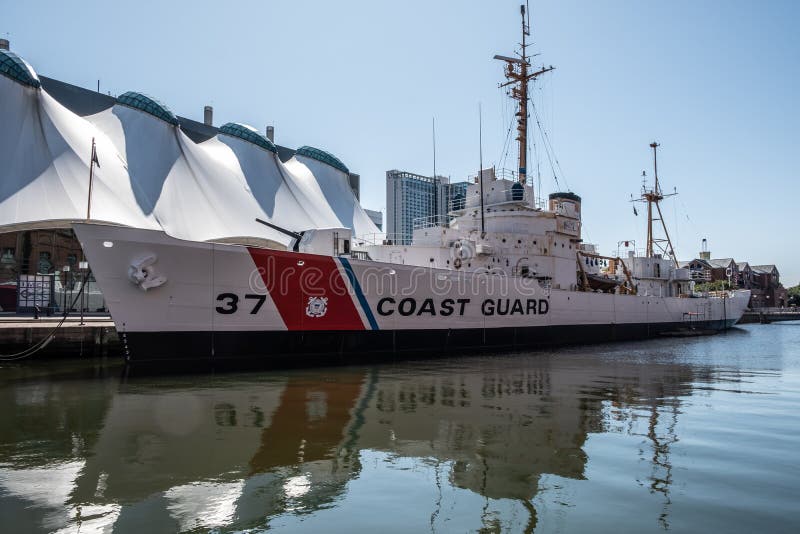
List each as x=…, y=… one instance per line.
x=34, y=290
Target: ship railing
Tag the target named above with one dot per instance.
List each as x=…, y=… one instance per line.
x=721, y=294
x=432, y=221
x=715, y=294
x=506, y=174
x=381, y=238
x=506, y=195
x=500, y=174
x=359, y=255
x=703, y=276
x=624, y=252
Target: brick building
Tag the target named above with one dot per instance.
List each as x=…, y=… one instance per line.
x=762, y=280
x=37, y=252
x=724, y=269
x=766, y=287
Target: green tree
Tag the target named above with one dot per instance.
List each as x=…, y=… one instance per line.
x=717, y=285
x=794, y=295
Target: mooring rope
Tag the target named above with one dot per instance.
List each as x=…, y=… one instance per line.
x=39, y=345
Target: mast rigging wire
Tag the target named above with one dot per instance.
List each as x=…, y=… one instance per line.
x=549, y=148
x=506, y=143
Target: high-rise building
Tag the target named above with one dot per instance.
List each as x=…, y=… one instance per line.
x=457, y=195
x=376, y=217
x=413, y=200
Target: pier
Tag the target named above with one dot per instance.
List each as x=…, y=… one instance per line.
x=770, y=315
x=90, y=337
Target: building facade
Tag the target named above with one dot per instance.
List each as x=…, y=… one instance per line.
x=724, y=269
x=414, y=199
x=376, y=217
x=763, y=281
x=699, y=269
x=766, y=287
x=38, y=252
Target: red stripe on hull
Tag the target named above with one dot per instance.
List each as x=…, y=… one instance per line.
x=293, y=286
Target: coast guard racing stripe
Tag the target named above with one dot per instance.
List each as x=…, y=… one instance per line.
x=362, y=299
x=311, y=296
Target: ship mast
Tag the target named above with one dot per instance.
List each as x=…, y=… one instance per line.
x=517, y=73
x=653, y=197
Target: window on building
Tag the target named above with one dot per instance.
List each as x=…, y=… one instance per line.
x=8, y=255
x=45, y=265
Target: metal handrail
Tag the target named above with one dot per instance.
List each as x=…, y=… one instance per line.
x=431, y=221
x=499, y=174
x=382, y=239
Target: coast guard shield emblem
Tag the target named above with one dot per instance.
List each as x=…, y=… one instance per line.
x=317, y=306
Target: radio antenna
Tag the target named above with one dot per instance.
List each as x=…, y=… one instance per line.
x=480, y=165
x=433, y=123
x=528, y=17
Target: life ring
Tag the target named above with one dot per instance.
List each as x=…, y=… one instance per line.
x=457, y=263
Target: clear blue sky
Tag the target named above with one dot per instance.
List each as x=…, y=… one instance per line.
x=715, y=82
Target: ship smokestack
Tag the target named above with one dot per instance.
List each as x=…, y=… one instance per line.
x=4, y=44
x=208, y=116
x=705, y=254
x=271, y=133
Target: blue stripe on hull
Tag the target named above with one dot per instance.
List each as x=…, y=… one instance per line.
x=362, y=300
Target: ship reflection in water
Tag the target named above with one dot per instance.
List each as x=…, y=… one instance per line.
x=683, y=434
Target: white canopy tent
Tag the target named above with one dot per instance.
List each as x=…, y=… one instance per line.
x=152, y=175
x=44, y=178
x=329, y=188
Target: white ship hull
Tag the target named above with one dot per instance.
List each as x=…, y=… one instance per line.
x=216, y=301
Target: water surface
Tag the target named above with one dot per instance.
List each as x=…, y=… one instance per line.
x=685, y=435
